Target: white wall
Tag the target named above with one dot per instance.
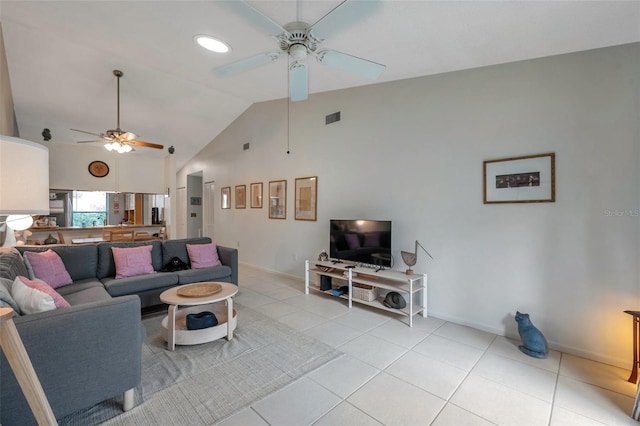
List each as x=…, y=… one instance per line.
x=132, y=172
x=411, y=151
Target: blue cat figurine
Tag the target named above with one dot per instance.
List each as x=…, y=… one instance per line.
x=533, y=342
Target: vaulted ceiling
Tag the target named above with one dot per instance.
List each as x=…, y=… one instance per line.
x=61, y=55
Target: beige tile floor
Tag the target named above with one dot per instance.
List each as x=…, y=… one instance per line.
x=436, y=373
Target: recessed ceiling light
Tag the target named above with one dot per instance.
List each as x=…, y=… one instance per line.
x=211, y=43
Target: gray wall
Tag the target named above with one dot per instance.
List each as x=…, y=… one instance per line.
x=412, y=152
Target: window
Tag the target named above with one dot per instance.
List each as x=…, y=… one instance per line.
x=89, y=208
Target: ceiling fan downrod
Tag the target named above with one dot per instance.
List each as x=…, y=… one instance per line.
x=118, y=74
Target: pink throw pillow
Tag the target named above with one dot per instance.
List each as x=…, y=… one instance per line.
x=48, y=267
x=33, y=296
x=203, y=255
x=132, y=261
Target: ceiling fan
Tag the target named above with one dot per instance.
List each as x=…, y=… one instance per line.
x=299, y=40
x=117, y=139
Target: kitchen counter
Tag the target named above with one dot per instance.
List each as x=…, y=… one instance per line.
x=80, y=228
x=39, y=234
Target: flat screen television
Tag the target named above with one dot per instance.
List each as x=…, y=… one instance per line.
x=362, y=241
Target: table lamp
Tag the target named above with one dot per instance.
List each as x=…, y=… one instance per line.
x=24, y=184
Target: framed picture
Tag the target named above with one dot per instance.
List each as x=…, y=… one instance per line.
x=241, y=196
x=529, y=179
x=306, y=198
x=226, y=197
x=256, y=195
x=196, y=201
x=278, y=199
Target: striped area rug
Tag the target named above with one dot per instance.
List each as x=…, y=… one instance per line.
x=203, y=384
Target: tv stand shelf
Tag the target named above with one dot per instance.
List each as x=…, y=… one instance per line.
x=412, y=286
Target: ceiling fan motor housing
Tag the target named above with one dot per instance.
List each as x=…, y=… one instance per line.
x=298, y=36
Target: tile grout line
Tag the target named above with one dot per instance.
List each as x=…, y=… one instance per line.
x=448, y=400
x=555, y=390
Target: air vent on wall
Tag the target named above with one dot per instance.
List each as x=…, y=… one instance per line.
x=332, y=118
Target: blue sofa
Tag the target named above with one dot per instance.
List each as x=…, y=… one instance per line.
x=91, y=351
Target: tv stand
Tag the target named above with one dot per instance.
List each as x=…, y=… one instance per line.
x=413, y=286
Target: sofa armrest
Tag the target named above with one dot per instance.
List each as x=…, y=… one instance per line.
x=229, y=257
x=82, y=355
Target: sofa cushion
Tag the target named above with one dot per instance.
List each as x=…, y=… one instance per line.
x=48, y=267
x=87, y=295
x=78, y=286
x=84, y=291
x=33, y=296
x=12, y=263
x=131, y=285
x=80, y=260
x=178, y=248
x=6, y=300
x=203, y=255
x=106, y=264
x=132, y=261
x=216, y=273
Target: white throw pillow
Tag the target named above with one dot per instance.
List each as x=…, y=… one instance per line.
x=33, y=296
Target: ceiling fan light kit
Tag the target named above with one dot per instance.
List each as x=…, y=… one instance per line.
x=299, y=40
x=118, y=147
x=118, y=140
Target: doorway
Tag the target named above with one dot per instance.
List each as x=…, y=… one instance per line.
x=209, y=207
x=194, y=205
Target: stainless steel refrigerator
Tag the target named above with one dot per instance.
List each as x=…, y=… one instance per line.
x=60, y=207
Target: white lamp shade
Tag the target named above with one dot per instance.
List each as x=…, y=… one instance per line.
x=24, y=177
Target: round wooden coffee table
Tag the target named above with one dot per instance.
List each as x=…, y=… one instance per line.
x=174, y=325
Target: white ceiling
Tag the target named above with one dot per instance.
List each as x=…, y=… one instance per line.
x=61, y=55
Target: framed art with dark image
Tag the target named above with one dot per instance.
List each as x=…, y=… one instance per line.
x=527, y=179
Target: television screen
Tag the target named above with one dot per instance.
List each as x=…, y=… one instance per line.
x=363, y=241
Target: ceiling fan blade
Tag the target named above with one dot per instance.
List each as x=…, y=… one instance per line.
x=343, y=16
x=88, y=133
x=98, y=140
x=145, y=144
x=246, y=64
x=352, y=64
x=298, y=82
x=255, y=17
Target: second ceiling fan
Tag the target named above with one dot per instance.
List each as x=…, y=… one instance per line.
x=299, y=40
x=119, y=140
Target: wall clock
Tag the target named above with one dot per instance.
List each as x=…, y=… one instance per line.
x=98, y=168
